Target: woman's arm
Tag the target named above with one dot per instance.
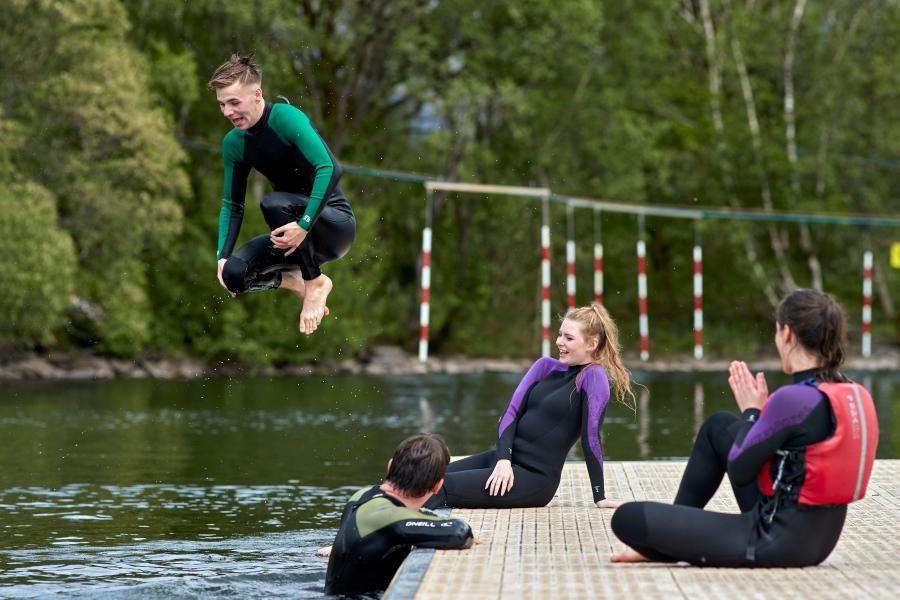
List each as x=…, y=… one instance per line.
x=595, y=386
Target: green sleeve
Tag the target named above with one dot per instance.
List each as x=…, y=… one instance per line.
x=293, y=127
x=234, y=190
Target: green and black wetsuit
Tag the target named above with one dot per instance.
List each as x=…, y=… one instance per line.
x=376, y=534
x=283, y=146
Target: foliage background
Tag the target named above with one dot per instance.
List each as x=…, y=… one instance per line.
x=111, y=183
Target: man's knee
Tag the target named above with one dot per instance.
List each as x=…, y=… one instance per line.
x=234, y=274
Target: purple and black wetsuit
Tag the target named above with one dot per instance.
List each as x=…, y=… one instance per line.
x=546, y=415
x=770, y=532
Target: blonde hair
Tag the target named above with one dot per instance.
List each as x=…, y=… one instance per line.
x=237, y=68
x=596, y=322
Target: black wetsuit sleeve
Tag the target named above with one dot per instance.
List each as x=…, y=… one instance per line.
x=506, y=439
x=432, y=533
x=593, y=462
x=795, y=415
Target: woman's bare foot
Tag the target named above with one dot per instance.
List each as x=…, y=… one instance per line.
x=628, y=556
x=314, y=309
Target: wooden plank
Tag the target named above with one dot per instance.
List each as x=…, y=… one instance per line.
x=563, y=550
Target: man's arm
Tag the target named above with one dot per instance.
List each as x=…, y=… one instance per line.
x=431, y=531
x=234, y=190
x=294, y=127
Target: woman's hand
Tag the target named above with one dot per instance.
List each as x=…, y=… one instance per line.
x=749, y=392
x=288, y=237
x=607, y=503
x=501, y=480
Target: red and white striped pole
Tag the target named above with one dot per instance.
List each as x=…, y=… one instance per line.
x=545, y=279
x=570, y=256
x=425, y=302
x=598, y=259
x=867, y=305
x=698, y=302
x=642, y=294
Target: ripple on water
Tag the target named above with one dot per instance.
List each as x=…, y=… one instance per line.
x=278, y=565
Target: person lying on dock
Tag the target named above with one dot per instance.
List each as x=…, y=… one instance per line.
x=556, y=402
x=795, y=459
x=382, y=523
x=310, y=219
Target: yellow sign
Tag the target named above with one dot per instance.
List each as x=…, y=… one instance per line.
x=895, y=255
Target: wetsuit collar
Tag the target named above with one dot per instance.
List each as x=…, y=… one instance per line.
x=575, y=368
x=382, y=493
x=263, y=120
x=801, y=376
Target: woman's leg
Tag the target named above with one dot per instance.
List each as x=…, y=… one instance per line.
x=464, y=485
x=669, y=533
x=708, y=464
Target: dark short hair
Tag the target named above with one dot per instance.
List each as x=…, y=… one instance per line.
x=820, y=326
x=419, y=462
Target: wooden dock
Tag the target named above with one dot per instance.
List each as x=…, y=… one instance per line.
x=563, y=549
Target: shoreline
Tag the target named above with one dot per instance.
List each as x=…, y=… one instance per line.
x=382, y=360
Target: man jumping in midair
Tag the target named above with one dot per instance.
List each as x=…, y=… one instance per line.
x=311, y=221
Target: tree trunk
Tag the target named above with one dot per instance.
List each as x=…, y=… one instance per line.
x=715, y=93
x=790, y=134
x=779, y=241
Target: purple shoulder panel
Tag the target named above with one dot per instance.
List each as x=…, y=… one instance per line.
x=540, y=369
x=789, y=405
x=595, y=384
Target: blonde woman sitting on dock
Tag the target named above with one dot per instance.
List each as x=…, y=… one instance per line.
x=556, y=402
x=795, y=459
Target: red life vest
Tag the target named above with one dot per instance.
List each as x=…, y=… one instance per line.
x=838, y=468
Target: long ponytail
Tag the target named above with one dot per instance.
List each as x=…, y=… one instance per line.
x=596, y=322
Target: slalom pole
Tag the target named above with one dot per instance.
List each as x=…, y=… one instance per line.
x=570, y=255
x=598, y=258
x=867, y=305
x=545, y=279
x=698, y=295
x=642, y=291
x=425, y=299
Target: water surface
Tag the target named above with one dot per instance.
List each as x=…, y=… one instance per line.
x=224, y=488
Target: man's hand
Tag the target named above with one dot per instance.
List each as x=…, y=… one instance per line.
x=326, y=551
x=501, y=480
x=749, y=391
x=221, y=265
x=288, y=237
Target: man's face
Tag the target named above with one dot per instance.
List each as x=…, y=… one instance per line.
x=241, y=104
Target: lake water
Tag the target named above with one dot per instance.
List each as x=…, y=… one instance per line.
x=224, y=488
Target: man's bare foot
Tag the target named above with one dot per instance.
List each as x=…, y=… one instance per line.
x=314, y=308
x=628, y=556
x=293, y=281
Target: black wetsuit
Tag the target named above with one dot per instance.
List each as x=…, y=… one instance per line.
x=771, y=531
x=376, y=534
x=285, y=148
x=545, y=417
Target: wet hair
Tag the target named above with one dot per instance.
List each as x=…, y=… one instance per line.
x=820, y=326
x=240, y=67
x=419, y=462
x=596, y=322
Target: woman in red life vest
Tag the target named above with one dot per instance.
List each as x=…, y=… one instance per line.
x=795, y=459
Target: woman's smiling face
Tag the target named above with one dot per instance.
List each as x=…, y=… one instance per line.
x=574, y=348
